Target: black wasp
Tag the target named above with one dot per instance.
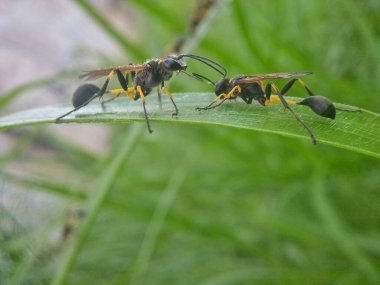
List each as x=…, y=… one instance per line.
x=144, y=76
x=252, y=87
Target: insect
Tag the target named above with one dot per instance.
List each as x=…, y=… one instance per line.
x=144, y=76
x=72, y=221
x=253, y=87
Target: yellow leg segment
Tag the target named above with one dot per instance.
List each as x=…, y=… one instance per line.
x=221, y=96
x=167, y=92
x=275, y=98
x=302, y=82
x=129, y=92
x=112, y=73
x=142, y=96
x=229, y=95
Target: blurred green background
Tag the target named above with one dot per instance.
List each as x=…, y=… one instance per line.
x=192, y=204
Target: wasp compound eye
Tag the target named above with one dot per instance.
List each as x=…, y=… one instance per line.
x=84, y=93
x=320, y=105
x=174, y=64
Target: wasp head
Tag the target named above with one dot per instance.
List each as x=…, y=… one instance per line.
x=173, y=63
x=221, y=86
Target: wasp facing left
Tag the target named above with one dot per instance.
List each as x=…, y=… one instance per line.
x=144, y=76
x=253, y=87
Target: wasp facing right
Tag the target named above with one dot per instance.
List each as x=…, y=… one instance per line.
x=145, y=77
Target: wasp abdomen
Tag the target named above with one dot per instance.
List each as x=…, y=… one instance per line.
x=84, y=93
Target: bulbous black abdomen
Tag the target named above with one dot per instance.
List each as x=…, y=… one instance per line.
x=320, y=105
x=84, y=93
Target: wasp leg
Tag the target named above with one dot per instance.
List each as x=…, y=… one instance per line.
x=142, y=97
x=129, y=92
x=104, y=102
x=124, y=83
x=319, y=104
x=118, y=92
x=167, y=92
x=222, y=97
x=290, y=84
x=98, y=94
x=229, y=95
x=270, y=99
x=210, y=106
x=159, y=98
x=277, y=99
x=286, y=103
x=76, y=108
x=348, y=110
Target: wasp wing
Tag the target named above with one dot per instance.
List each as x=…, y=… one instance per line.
x=257, y=77
x=98, y=73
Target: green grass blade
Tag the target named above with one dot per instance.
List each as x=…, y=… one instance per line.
x=242, y=21
x=161, y=13
x=334, y=227
x=155, y=225
x=48, y=186
x=96, y=201
x=350, y=130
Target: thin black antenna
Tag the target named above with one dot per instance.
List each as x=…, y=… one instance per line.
x=208, y=62
x=201, y=77
x=192, y=75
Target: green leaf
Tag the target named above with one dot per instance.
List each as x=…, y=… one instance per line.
x=356, y=131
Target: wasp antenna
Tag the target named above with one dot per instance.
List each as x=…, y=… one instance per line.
x=201, y=77
x=206, y=59
x=192, y=75
x=208, y=62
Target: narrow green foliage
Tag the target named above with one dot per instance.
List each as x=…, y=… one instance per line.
x=95, y=203
x=357, y=131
